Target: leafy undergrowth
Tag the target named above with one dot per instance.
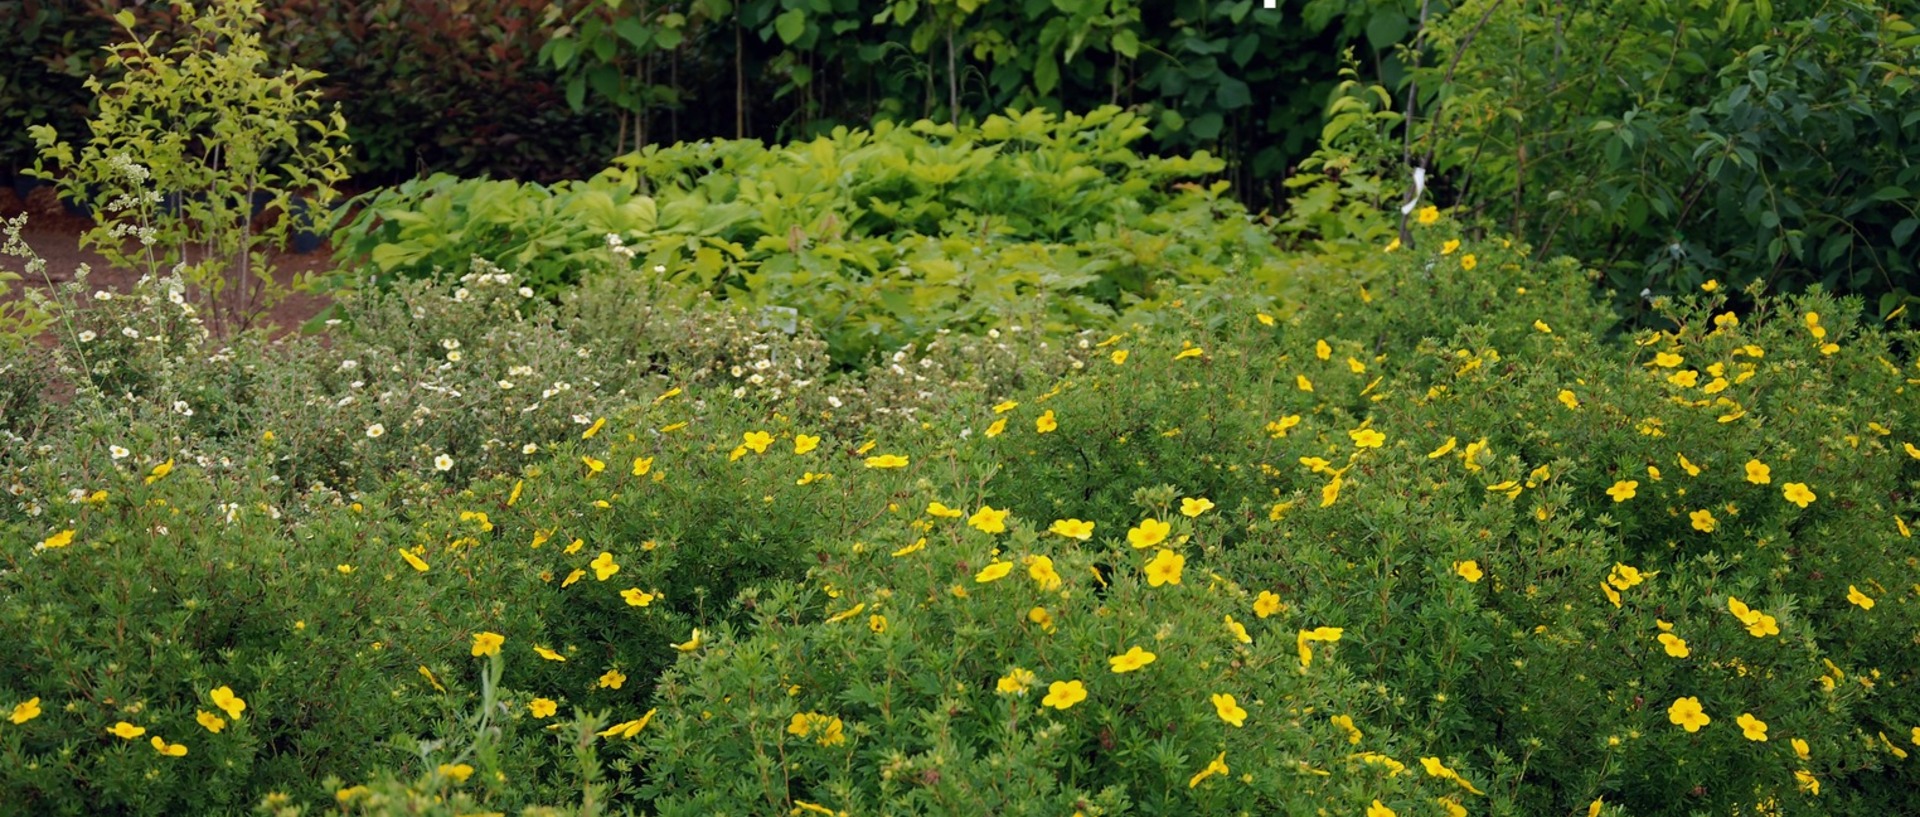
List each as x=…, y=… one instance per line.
x=1430, y=541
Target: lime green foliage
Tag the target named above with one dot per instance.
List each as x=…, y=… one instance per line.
x=195, y=156
x=1670, y=143
x=878, y=238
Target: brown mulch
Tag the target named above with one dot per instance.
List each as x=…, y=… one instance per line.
x=54, y=234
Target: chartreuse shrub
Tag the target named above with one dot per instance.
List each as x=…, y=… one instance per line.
x=878, y=238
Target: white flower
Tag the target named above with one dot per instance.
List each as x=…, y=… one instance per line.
x=103, y=295
x=348, y=365
x=833, y=401
x=87, y=336
x=529, y=449
x=118, y=452
x=460, y=295
x=181, y=408
x=131, y=332
x=449, y=344
x=526, y=292
x=374, y=431
x=453, y=356
x=443, y=463
x=505, y=384
x=520, y=371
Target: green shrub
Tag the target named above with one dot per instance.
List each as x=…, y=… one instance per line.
x=878, y=239
x=1674, y=143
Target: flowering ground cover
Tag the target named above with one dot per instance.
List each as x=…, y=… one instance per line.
x=1440, y=538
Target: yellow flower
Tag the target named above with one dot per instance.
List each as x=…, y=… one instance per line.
x=1266, y=604
x=1064, y=694
x=1119, y=356
x=756, y=441
x=594, y=466
x=1228, y=709
x=877, y=623
x=1751, y=727
x=1045, y=422
x=1668, y=360
x=1041, y=618
x=417, y=562
x=459, y=772
x=1134, y=658
x=1392, y=246
x=1005, y=406
x=603, y=566
x=1192, y=506
x=691, y=644
x=1692, y=470
x=1326, y=635
x=1801, y=750
x=228, y=702
x=993, y=572
x=937, y=509
x=160, y=471
x=1808, y=783
x=1279, y=428
x=1675, y=645
x=1687, y=714
x=1303, y=383
x=802, y=443
x=1165, y=568
x=887, y=461
x=918, y=545
x=1016, y=682
x=1437, y=769
x=169, y=749
x=548, y=654
x=1331, y=493
x=988, y=520
x=848, y=613
x=1685, y=379
x=635, y=597
x=542, y=708
x=1366, y=438
x=1345, y=723
x=1710, y=285
x=1703, y=520
x=1380, y=810
x=1623, y=490
x=572, y=577
x=1238, y=630
x=641, y=465
x=598, y=423
x=1427, y=215
x=209, y=721
x=424, y=673
x=1264, y=318
x=1859, y=599
x=58, y=540
x=1148, y=533
x=1798, y=494
x=1567, y=399
x=1444, y=449
x=1469, y=570
x=1612, y=594
x=1447, y=247
x=485, y=644
x=1041, y=569
x=1468, y=262
x=1072, y=529
x=24, y=711
x=1216, y=766
x=126, y=731
x=1191, y=351
x=613, y=679
x=1759, y=473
